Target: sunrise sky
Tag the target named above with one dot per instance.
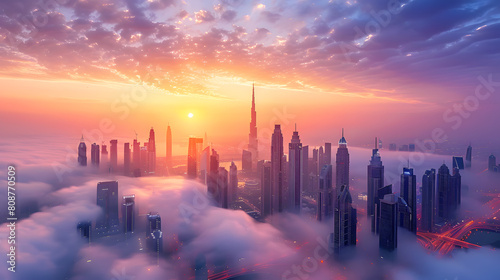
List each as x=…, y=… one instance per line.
x=376, y=67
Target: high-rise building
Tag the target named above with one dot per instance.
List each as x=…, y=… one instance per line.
x=266, y=189
x=294, y=173
x=253, y=143
x=375, y=180
x=137, y=158
x=233, y=184
x=154, y=235
x=128, y=213
x=194, y=150
x=321, y=158
x=94, y=154
x=213, y=177
x=113, y=156
x=492, y=163
x=325, y=195
x=205, y=164
x=468, y=157
x=246, y=161
x=104, y=153
x=392, y=147
x=408, y=192
x=277, y=170
x=449, y=193
x=152, y=152
x=107, y=199
x=126, y=159
x=82, y=153
x=376, y=215
x=328, y=154
x=342, y=165
x=388, y=240
x=84, y=229
x=345, y=221
x=411, y=147
x=144, y=160
x=169, y=148
x=458, y=162
x=304, y=168
x=428, y=200
x=223, y=190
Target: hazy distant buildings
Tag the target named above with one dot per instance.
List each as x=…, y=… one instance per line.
x=342, y=165
x=107, y=200
x=82, y=153
x=136, y=158
x=468, y=157
x=113, y=156
x=328, y=154
x=345, y=221
x=233, y=184
x=95, y=154
x=325, y=195
x=388, y=239
x=128, y=213
x=151, y=152
x=126, y=159
x=375, y=180
x=294, y=174
x=277, y=170
x=84, y=230
x=411, y=147
x=392, y=147
x=408, y=192
x=449, y=192
x=428, y=200
x=194, y=149
x=492, y=164
x=223, y=190
x=104, y=153
x=246, y=161
x=266, y=189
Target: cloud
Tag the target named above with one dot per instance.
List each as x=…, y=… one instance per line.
x=203, y=16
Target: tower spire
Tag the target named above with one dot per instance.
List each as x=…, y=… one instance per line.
x=342, y=132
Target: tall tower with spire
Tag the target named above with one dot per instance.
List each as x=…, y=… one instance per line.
x=294, y=174
x=342, y=163
x=375, y=179
x=152, y=152
x=82, y=153
x=252, y=136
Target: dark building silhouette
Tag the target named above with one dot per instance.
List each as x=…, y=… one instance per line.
x=95, y=154
x=458, y=162
x=342, y=165
x=304, y=168
x=128, y=213
x=325, y=195
x=152, y=152
x=84, y=229
x=375, y=179
x=277, y=170
x=376, y=217
x=136, y=158
x=266, y=189
x=223, y=190
x=253, y=143
x=388, y=238
x=107, y=200
x=82, y=153
x=492, y=164
x=154, y=235
x=200, y=268
x=113, y=154
x=194, y=149
x=126, y=159
x=246, y=161
x=144, y=160
x=449, y=192
x=321, y=158
x=294, y=173
x=408, y=192
x=392, y=147
x=428, y=200
x=233, y=184
x=411, y=147
x=328, y=154
x=468, y=157
x=345, y=221
x=213, y=176
x=104, y=153
x=169, y=148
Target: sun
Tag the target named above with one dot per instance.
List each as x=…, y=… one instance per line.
x=190, y=115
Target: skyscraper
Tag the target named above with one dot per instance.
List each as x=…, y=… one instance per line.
x=408, y=192
x=277, y=170
x=468, y=157
x=84, y=229
x=213, y=177
x=169, y=147
x=128, y=213
x=376, y=215
x=342, y=165
x=375, y=179
x=325, y=195
x=345, y=221
x=194, y=149
x=253, y=143
x=82, y=153
x=428, y=200
x=152, y=152
x=294, y=173
x=304, y=168
x=137, y=158
x=107, y=200
x=321, y=158
x=449, y=192
x=233, y=184
x=328, y=154
x=104, y=153
x=458, y=162
x=126, y=159
x=388, y=223
x=492, y=163
x=266, y=189
x=246, y=161
x=223, y=188
x=94, y=154
x=113, y=156
x=154, y=235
